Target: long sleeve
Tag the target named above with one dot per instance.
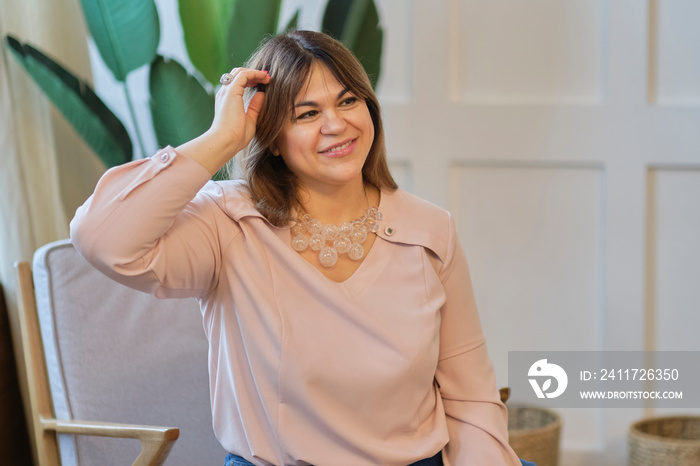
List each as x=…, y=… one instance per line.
x=476, y=418
x=140, y=227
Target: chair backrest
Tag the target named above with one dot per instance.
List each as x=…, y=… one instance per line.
x=118, y=355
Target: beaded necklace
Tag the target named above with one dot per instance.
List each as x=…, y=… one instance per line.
x=346, y=238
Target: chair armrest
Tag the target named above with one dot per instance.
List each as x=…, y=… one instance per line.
x=156, y=442
x=505, y=394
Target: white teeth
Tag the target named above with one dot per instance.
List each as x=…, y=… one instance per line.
x=340, y=147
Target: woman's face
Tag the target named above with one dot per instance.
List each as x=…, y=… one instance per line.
x=326, y=142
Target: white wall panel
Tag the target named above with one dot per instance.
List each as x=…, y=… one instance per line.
x=538, y=51
x=402, y=171
x=310, y=16
x=395, y=82
x=532, y=235
x=674, y=56
x=673, y=259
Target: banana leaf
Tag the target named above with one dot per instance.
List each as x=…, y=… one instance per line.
x=126, y=32
x=78, y=103
x=356, y=24
x=250, y=22
x=180, y=107
x=205, y=25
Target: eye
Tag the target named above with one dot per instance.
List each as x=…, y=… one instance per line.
x=349, y=101
x=306, y=115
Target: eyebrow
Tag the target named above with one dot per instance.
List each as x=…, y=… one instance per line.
x=311, y=103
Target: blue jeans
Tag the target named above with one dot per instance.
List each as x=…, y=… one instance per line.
x=233, y=460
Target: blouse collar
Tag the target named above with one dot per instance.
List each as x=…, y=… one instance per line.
x=407, y=219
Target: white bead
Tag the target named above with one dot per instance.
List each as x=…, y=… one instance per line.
x=298, y=228
x=300, y=243
x=345, y=229
x=328, y=257
x=317, y=242
x=356, y=252
x=330, y=232
x=359, y=235
x=342, y=245
x=314, y=226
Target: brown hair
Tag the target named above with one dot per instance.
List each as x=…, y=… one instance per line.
x=289, y=59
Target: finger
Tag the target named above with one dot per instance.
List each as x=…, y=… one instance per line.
x=255, y=105
x=245, y=77
x=238, y=70
x=251, y=78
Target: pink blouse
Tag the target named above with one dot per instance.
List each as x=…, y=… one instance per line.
x=385, y=368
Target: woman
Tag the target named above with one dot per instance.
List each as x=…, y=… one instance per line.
x=333, y=341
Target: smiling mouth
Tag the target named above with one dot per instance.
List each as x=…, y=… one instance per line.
x=338, y=148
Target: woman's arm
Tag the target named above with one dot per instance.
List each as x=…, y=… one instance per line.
x=141, y=225
x=476, y=418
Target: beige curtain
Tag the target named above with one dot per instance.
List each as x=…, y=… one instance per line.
x=46, y=169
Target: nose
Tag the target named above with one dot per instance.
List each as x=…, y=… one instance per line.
x=333, y=122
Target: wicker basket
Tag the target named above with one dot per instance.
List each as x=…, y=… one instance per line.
x=671, y=441
x=534, y=434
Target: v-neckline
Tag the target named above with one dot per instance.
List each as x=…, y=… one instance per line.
x=348, y=282
x=351, y=278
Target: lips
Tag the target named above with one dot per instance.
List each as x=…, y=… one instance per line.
x=340, y=150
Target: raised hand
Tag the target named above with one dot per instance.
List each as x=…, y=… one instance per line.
x=230, y=115
x=234, y=125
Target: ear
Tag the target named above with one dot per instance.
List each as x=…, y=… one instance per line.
x=275, y=151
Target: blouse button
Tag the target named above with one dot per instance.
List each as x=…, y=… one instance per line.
x=164, y=157
x=389, y=231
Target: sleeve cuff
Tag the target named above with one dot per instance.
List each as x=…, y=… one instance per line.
x=191, y=173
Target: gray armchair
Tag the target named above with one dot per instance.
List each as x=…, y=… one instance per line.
x=104, y=362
